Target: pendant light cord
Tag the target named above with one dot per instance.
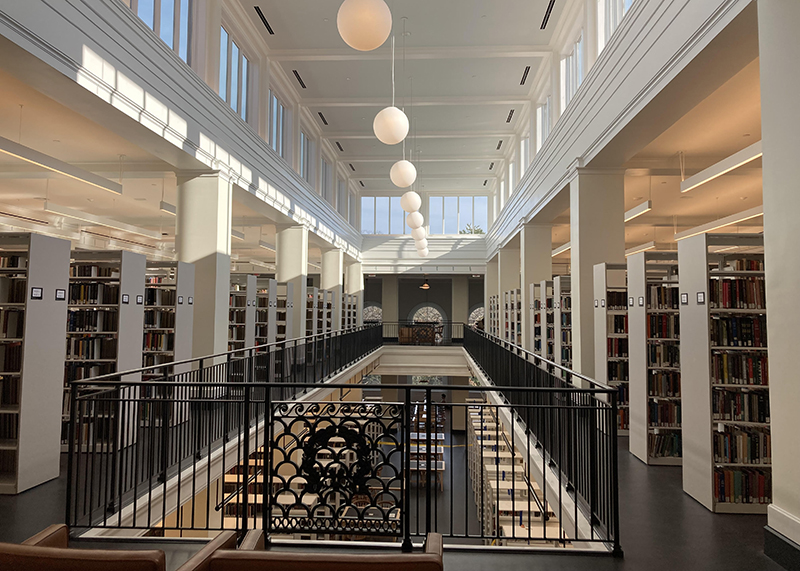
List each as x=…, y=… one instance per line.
x=392, y=71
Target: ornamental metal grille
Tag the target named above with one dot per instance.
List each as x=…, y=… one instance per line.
x=337, y=468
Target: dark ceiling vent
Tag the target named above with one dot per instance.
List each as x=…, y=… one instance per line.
x=485, y=182
x=339, y=146
x=321, y=116
x=352, y=168
x=491, y=166
x=264, y=21
x=361, y=182
x=525, y=75
x=499, y=144
x=547, y=13
x=510, y=116
x=299, y=79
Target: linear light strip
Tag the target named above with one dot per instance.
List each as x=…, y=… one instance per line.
x=237, y=235
x=721, y=223
x=637, y=211
x=725, y=166
x=168, y=208
x=34, y=157
x=640, y=248
x=99, y=220
x=266, y=246
x=562, y=249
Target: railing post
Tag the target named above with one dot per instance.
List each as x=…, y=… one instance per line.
x=615, y=476
x=428, y=456
x=406, y=507
x=266, y=487
x=246, y=456
x=73, y=399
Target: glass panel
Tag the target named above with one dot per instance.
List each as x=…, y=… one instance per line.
x=481, y=220
x=465, y=215
x=398, y=216
x=223, y=64
x=167, y=24
x=183, y=48
x=146, y=11
x=234, y=98
x=435, y=215
x=382, y=215
x=245, y=83
x=367, y=215
x=451, y=215
x=352, y=204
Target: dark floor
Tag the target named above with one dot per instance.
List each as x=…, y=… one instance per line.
x=663, y=529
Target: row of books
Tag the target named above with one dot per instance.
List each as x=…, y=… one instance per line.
x=154, y=341
x=82, y=348
x=739, y=369
x=159, y=319
x=165, y=297
x=742, y=447
x=9, y=391
x=623, y=394
x=566, y=303
x=618, y=371
x=739, y=331
x=745, y=265
x=238, y=301
x=742, y=486
x=566, y=320
x=81, y=321
x=738, y=293
x=8, y=461
x=566, y=356
x=9, y=426
x=10, y=358
x=664, y=355
x=13, y=261
x=618, y=324
x=666, y=445
x=616, y=300
x=236, y=333
x=159, y=280
x=624, y=419
x=665, y=413
x=238, y=317
x=739, y=406
x=664, y=384
x=663, y=326
x=93, y=294
x=76, y=371
x=617, y=347
x=93, y=271
x=12, y=290
x=13, y=324
x=663, y=297
x=566, y=337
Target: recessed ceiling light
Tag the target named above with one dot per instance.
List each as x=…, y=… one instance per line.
x=742, y=198
x=90, y=199
x=664, y=182
x=140, y=199
x=347, y=78
x=638, y=197
x=747, y=134
x=58, y=141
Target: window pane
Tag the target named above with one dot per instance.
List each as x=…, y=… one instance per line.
x=245, y=82
x=435, y=215
x=382, y=215
x=167, y=25
x=482, y=213
x=223, y=65
x=398, y=216
x=451, y=215
x=367, y=215
x=352, y=204
x=234, y=99
x=464, y=213
x=147, y=11
x=183, y=49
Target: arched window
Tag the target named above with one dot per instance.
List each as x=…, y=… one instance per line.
x=427, y=314
x=476, y=316
x=373, y=314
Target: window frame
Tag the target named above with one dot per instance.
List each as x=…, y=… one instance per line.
x=243, y=74
x=459, y=216
x=277, y=135
x=182, y=50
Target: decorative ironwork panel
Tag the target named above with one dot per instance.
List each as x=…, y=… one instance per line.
x=337, y=468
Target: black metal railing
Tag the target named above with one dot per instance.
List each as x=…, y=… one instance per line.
x=441, y=333
x=243, y=441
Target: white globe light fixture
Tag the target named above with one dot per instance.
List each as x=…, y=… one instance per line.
x=415, y=220
x=411, y=201
x=364, y=24
x=390, y=126
x=419, y=234
x=423, y=253
x=403, y=175
x=422, y=244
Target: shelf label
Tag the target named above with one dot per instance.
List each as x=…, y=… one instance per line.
x=139, y=300
x=37, y=293
x=602, y=303
x=61, y=295
x=191, y=300
x=596, y=304
x=630, y=302
x=701, y=298
x=126, y=299
x=641, y=301
x=684, y=299
x=180, y=300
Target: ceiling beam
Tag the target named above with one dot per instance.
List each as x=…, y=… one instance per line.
x=461, y=100
x=369, y=135
x=423, y=159
x=415, y=53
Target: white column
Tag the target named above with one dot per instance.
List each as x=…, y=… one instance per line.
x=555, y=88
x=491, y=286
x=204, y=239
x=508, y=274
x=536, y=243
x=589, y=34
x=291, y=259
x=264, y=73
x=597, y=234
x=332, y=278
x=354, y=285
x=779, y=48
x=205, y=46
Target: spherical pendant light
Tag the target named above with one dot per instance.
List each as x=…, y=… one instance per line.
x=390, y=126
x=419, y=233
x=364, y=24
x=422, y=244
x=403, y=174
x=423, y=253
x=415, y=220
x=410, y=201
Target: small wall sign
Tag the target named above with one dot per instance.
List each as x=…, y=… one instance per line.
x=126, y=299
x=139, y=300
x=180, y=300
x=37, y=293
x=61, y=295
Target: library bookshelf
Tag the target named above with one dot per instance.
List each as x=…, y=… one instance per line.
x=349, y=311
x=494, y=316
x=547, y=318
x=266, y=311
x=611, y=334
x=511, y=312
x=242, y=312
x=535, y=318
x=727, y=437
x=654, y=358
x=105, y=323
x=34, y=279
x=562, y=319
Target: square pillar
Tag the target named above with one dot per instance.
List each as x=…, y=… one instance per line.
x=291, y=259
x=354, y=285
x=203, y=238
x=332, y=279
x=490, y=289
x=508, y=265
x=597, y=234
x=536, y=246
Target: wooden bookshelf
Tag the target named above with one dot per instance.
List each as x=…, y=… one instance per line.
x=511, y=314
x=611, y=334
x=34, y=273
x=654, y=358
x=724, y=352
x=547, y=318
x=242, y=312
x=562, y=318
